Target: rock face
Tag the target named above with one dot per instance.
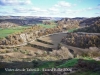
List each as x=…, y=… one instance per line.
x=22, y=36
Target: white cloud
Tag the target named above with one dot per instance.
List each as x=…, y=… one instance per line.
x=20, y=10
x=14, y=2
x=62, y=8
x=29, y=10
x=63, y=4
x=70, y=12
x=53, y=9
x=76, y=11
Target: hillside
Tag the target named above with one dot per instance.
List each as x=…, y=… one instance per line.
x=94, y=28
x=90, y=21
x=28, y=35
x=8, y=25
x=82, y=40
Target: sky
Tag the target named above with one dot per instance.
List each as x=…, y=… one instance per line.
x=50, y=8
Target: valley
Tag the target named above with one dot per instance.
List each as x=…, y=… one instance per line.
x=65, y=43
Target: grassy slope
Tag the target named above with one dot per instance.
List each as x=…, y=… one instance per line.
x=67, y=64
x=61, y=64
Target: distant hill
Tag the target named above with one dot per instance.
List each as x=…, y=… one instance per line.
x=21, y=21
x=80, y=18
x=30, y=17
x=27, y=20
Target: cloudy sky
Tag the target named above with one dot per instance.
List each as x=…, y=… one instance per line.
x=50, y=8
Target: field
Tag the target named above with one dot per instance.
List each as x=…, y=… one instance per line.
x=7, y=31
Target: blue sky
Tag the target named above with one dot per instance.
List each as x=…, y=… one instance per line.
x=50, y=8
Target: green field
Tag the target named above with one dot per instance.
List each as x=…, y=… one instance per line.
x=7, y=31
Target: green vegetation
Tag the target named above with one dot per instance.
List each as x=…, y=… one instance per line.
x=59, y=64
x=55, y=64
x=47, y=26
x=72, y=30
x=69, y=63
x=7, y=31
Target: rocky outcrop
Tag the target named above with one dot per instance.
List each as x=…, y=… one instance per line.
x=17, y=39
x=7, y=25
x=68, y=23
x=62, y=53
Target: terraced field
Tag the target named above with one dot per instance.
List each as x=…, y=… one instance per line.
x=52, y=40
